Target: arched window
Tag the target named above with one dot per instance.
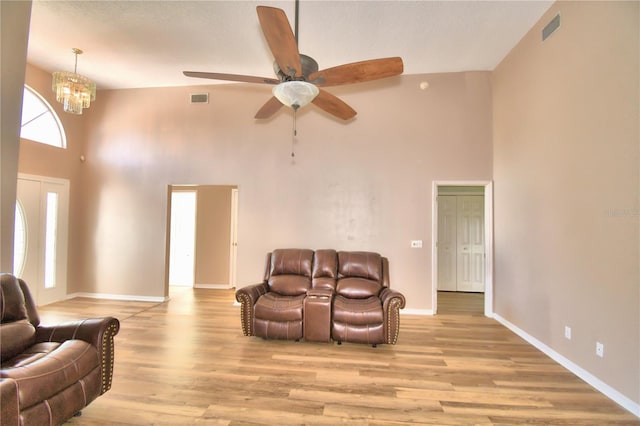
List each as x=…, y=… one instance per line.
x=39, y=122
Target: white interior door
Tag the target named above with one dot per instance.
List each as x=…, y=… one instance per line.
x=447, y=240
x=470, y=243
x=41, y=241
x=182, y=238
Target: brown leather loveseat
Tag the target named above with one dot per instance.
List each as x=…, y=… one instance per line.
x=49, y=373
x=323, y=295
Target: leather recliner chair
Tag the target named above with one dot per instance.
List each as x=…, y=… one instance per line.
x=277, y=311
x=49, y=373
x=365, y=309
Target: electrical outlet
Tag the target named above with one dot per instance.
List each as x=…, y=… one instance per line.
x=567, y=332
x=416, y=244
x=600, y=349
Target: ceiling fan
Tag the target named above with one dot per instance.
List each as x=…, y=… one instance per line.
x=298, y=79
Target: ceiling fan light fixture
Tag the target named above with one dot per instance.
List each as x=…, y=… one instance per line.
x=73, y=91
x=295, y=93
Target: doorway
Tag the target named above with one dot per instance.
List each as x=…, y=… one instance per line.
x=462, y=242
x=182, y=238
x=41, y=236
x=202, y=236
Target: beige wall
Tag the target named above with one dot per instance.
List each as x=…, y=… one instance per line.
x=363, y=185
x=566, y=171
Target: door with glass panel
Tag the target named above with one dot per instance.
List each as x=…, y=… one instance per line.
x=40, y=248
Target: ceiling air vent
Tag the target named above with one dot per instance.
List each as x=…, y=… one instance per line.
x=551, y=27
x=199, y=98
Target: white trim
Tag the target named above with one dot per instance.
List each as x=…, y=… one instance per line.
x=598, y=384
x=488, y=239
x=233, y=237
x=416, y=312
x=126, y=297
x=213, y=286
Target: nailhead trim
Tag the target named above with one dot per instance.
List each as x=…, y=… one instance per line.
x=244, y=314
x=394, y=311
x=107, y=344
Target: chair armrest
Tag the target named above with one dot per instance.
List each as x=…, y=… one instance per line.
x=392, y=302
x=10, y=410
x=99, y=332
x=248, y=296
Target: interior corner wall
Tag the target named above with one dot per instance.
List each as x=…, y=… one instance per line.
x=566, y=180
x=14, y=27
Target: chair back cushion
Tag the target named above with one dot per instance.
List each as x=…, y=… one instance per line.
x=16, y=332
x=290, y=271
x=359, y=274
x=325, y=270
x=12, y=303
x=360, y=264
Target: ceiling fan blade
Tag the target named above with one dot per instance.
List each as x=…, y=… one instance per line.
x=358, y=72
x=231, y=77
x=271, y=107
x=281, y=40
x=333, y=105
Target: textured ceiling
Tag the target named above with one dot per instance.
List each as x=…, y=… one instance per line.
x=131, y=44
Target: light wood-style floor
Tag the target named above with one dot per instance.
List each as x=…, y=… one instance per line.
x=186, y=362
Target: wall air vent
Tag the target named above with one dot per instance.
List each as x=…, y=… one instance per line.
x=551, y=27
x=199, y=98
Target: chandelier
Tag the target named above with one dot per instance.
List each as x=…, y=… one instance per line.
x=73, y=91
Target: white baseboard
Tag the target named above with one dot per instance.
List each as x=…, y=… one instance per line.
x=601, y=386
x=214, y=286
x=126, y=297
x=416, y=311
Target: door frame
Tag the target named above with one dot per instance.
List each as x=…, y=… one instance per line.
x=233, y=257
x=488, y=240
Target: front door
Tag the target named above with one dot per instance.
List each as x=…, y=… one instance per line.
x=40, y=250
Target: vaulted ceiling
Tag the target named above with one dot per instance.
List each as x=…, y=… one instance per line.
x=130, y=44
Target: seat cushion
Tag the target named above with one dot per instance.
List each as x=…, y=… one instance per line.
x=289, y=285
x=274, y=307
x=358, y=288
x=357, y=311
x=48, y=368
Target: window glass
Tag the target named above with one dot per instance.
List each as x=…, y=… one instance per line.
x=20, y=241
x=39, y=122
x=51, y=236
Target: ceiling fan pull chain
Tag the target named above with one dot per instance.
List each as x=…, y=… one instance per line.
x=294, y=132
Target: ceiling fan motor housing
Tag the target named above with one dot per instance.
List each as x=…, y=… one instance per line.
x=309, y=66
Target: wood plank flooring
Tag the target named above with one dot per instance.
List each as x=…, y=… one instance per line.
x=186, y=362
